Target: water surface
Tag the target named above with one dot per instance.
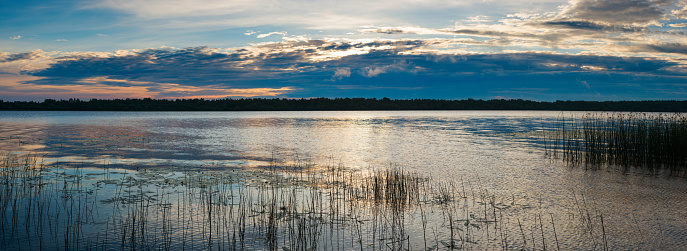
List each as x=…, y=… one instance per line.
x=497, y=151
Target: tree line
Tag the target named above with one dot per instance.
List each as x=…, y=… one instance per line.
x=338, y=104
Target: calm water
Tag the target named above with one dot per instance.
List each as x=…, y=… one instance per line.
x=498, y=151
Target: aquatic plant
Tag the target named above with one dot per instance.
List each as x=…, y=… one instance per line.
x=649, y=141
x=275, y=209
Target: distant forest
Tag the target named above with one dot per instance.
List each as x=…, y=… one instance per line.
x=338, y=104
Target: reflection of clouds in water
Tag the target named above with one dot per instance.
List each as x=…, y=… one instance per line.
x=491, y=151
x=426, y=140
x=112, y=145
x=18, y=138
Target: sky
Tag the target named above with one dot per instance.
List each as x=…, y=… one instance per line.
x=541, y=50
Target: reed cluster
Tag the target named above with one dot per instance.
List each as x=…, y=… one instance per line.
x=655, y=142
x=298, y=209
x=392, y=186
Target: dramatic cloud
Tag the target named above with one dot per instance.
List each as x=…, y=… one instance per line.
x=631, y=12
x=539, y=49
x=670, y=48
x=588, y=25
x=367, y=67
x=616, y=27
x=202, y=66
x=7, y=57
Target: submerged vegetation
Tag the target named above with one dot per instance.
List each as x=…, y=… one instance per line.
x=653, y=142
x=293, y=208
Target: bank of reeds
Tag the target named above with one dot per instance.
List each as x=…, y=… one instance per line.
x=654, y=142
x=331, y=209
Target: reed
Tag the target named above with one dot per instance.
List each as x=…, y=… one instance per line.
x=333, y=208
x=392, y=186
x=653, y=142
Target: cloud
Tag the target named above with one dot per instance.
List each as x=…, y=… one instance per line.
x=178, y=91
x=605, y=21
x=340, y=73
x=594, y=41
x=105, y=87
x=16, y=37
x=679, y=48
x=681, y=12
x=314, y=15
x=589, y=25
x=204, y=13
x=296, y=38
x=174, y=91
x=592, y=26
x=155, y=65
x=632, y=12
x=61, y=40
x=283, y=33
x=478, y=19
x=388, y=30
x=397, y=66
x=204, y=66
x=110, y=81
x=31, y=55
x=400, y=30
x=358, y=67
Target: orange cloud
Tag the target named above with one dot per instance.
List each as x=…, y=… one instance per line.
x=19, y=86
x=9, y=88
x=174, y=91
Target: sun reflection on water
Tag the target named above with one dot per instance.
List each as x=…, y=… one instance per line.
x=495, y=157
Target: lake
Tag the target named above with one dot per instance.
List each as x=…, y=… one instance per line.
x=485, y=183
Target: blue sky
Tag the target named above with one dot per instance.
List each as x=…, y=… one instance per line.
x=442, y=49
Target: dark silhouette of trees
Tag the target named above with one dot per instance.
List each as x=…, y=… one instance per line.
x=338, y=104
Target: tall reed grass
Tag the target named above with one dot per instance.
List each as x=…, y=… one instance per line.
x=334, y=208
x=653, y=142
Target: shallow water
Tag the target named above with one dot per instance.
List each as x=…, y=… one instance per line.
x=494, y=151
